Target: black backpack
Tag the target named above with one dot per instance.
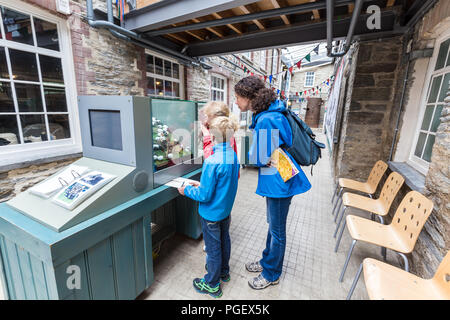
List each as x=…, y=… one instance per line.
x=305, y=149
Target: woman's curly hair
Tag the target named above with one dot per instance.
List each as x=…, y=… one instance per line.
x=253, y=88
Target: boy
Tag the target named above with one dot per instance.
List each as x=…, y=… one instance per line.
x=215, y=194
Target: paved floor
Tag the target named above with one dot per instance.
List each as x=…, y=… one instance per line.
x=311, y=268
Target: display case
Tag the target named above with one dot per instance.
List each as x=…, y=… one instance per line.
x=175, y=132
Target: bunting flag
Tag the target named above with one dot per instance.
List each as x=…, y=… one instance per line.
x=308, y=57
x=316, y=49
x=270, y=79
x=291, y=69
x=299, y=64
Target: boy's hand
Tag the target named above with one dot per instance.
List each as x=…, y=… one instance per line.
x=194, y=183
x=181, y=190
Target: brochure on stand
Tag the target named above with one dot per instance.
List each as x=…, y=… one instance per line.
x=181, y=182
x=49, y=187
x=81, y=189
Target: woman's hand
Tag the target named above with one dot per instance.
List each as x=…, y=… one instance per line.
x=273, y=163
x=181, y=190
x=194, y=183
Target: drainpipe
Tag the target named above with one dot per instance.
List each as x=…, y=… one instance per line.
x=135, y=38
x=351, y=30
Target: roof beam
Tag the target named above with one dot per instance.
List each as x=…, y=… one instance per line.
x=255, y=21
x=291, y=35
x=229, y=25
x=305, y=7
x=217, y=33
x=276, y=5
x=167, y=12
x=315, y=12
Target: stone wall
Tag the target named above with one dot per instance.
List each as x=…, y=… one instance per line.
x=369, y=115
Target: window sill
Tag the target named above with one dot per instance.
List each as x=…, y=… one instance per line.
x=413, y=178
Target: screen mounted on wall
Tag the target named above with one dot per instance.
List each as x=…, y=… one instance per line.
x=106, y=130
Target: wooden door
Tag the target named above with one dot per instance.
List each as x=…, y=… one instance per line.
x=312, y=116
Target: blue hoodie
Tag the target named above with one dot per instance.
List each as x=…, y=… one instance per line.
x=218, y=184
x=265, y=141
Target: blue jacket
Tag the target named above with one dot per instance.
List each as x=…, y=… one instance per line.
x=265, y=141
x=218, y=184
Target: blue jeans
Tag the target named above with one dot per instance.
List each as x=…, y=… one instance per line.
x=218, y=247
x=273, y=255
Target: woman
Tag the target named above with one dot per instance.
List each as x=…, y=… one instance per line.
x=271, y=130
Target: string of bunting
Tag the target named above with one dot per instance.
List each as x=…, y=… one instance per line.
x=269, y=78
x=304, y=95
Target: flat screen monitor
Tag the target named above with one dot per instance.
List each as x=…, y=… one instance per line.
x=106, y=131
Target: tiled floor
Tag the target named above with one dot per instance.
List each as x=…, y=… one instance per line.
x=311, y=268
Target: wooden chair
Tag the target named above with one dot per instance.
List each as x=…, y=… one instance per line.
x=380, y=207
x=400, y=235
x=369, y=187
x=386, y=282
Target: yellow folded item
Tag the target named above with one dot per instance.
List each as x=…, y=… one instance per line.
x=284, y=165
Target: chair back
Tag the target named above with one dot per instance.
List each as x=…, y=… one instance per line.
x=390, y=189
x=442, y=275
x=376, y=174
x=410, y=217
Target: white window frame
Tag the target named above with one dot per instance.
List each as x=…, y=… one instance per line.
x=419, y=164
x=180, y=81
x=263, y=59
x=21, y=153
x=275, y=61
x=225, y=86
x=313, y=80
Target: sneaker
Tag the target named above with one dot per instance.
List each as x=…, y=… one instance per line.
x=253, y=267
x=260, y=282
x=225, y=278
x=202, y=287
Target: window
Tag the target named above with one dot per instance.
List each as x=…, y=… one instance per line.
x=35, y=104
x=218, y=88
x=262, y=62
x=275, y=61
x=309, y=79
x=163, y=77
x=439, y=84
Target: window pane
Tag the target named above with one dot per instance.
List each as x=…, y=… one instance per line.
x=167, y=68
x=445, y=88
x=437, y=119
x=159, y=84
x=420, y=145
x=9, y=133
x=435, y=89
x=17, y=26
x=176, y=71
x=168, y=88
x=150, y=86
x=429, y=148
x=150, y=64
x=427, y=118
x=158, y=66
x=443, y=51
x=176, y=89
x=24, y=66
x=3, y=66
x=33, y=128
x=51, y=69
x=6, y=98
x=55, y=99
x=59, y=126
x=46, y=34
x=29, y=97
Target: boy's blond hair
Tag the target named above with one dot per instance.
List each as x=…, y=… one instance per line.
x=223, y=128
x=215, y=109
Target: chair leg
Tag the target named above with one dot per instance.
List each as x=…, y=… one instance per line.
x=355, y=281
x=341, y=278
x=405, y=259
x=340, y=236
x=340, y=220
x=335, y=192
x=383, y=249
x=338, y=210
x=338, y=200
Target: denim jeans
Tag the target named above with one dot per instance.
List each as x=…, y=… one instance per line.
x=273, y=255
x=218, y=247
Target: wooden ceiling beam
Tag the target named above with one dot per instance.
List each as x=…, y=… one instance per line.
x=390, y=3
x=258, y=24
x=276, y=5
x=218, y=16
x=315, y=12
x=217, y=33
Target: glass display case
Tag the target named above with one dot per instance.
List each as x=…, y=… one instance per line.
x=175, y=138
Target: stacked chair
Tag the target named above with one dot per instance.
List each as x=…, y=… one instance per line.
x=382, y=280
